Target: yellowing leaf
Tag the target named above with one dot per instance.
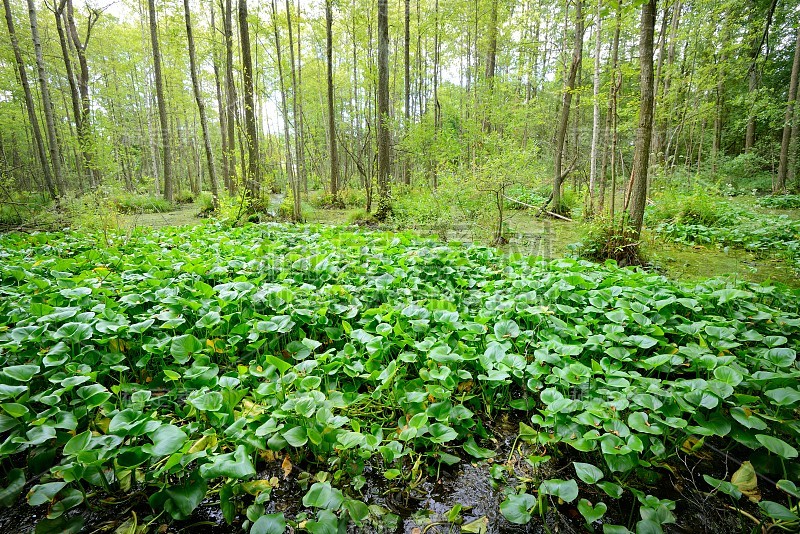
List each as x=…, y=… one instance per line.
x=206, y=442
x=286, y=466
x=746, y=481
x=216, y=345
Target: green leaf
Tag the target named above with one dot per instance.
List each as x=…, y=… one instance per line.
x=208, y=402
x=74, y=332
x=566, y=490
x=588, y=472
x=78, y=443
x=441, y=433
x=269, y=524
x=789, y=487
x=506, y=329
x=777, y=446
x=166, y=440
x=323, y=495
x=280, y=364
x=184, y=347
x=296, y=437
x=473, y=449
x=591, y=513
x=777, y=511
x=723, y=486
x=517, y=508
x=357, y=510
x=233, y=465
x=44, y=493
x=21, y=373
x=10, y=493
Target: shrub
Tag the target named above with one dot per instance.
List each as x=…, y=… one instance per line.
x=606, y=240
x=133, y=203
x=184, y=197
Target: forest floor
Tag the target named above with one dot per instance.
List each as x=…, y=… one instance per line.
x=186, y=214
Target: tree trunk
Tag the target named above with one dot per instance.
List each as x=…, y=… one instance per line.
x=75, y=98
x=786, y=140
x=55, y=152
x=752, y=78
x=384, y=207
x=565, y=105
x=595, y=111
x=223, y=125
x=407, y=87
x=334, y=157
x=641, y=155
x=201, y=108
x=251, y=169
x=230, y=94
x=299, y=171
x=23, y=77
x=491, y=58
x=293, y=182
x=85, y=130
x=162, y=104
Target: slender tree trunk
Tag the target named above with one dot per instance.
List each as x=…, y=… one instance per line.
x=567, y=100
x=223, y=125
x=436, y=108
x=294, y=184
x=77, y=112
x=23, y=77
x=491, y=58
x=85, y=131
x=662, y=123
x=299, y=120
x=334, y=157
x=786, y=140
x=299, y=171
x=384, y=155
x=201, y=108
x=752, y=74
x=641, y=155
x=407, y=88
x=162, y=104
x=252, y=171
x=595, y=111
x=230, y=94
x=47, y=105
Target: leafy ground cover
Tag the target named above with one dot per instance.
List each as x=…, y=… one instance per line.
x=175, y=370
x=702, y=219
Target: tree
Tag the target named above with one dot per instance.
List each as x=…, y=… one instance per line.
x=47, y=105
x=565, y=105
x=384, y=207
x=201, y=108
x=29, y=107
x=595, y=110
x=251, y=169
x=786, y=138
x=162, y=105
x=334, y=157
x=644, y=134
x=85, y=124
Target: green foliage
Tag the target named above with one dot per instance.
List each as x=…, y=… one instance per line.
x=747, y=172
x=133, y=203
x=704, y=219
x=782, y=202
x=609, y=240
x=175, y=361
x=184, y=196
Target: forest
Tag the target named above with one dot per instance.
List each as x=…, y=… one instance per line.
x=326, y=266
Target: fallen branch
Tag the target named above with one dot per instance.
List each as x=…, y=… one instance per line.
x=550, y=213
